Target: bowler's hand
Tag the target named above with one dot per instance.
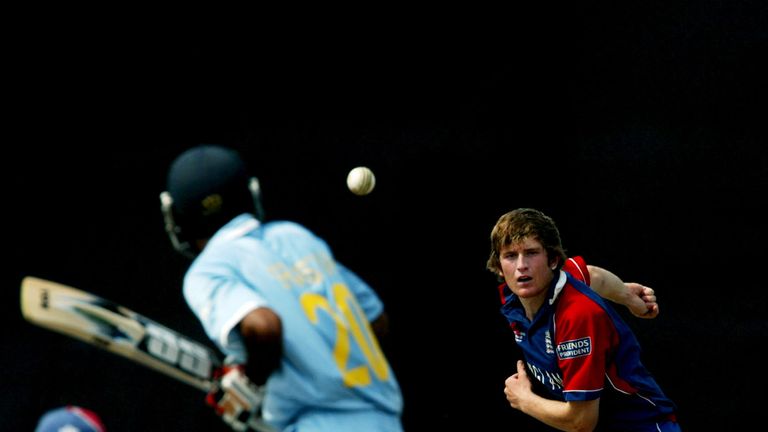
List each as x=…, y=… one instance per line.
x=518, y=386
x=643, y=304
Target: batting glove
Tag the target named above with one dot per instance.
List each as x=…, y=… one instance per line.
x=237, y=400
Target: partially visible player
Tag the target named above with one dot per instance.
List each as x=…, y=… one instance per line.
x=582, y=364
x=271, y=296
x=70, y=418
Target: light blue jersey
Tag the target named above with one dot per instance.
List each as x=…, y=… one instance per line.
x=333, y=376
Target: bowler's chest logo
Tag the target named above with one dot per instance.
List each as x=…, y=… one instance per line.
x=574, y=348
x=548, y=341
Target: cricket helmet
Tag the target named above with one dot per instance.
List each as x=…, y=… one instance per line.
x=207, y=186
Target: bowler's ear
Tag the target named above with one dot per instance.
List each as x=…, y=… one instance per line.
x=555, y=262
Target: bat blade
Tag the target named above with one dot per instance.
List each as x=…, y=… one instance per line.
x=117, y=329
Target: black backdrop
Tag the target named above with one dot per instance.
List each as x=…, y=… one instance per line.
x=640, y=129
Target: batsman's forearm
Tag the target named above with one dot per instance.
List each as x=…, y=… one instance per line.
x=263, y=336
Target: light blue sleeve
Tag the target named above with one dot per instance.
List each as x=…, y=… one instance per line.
x=221, y=303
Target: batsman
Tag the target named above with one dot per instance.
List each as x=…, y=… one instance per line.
x=299, y=329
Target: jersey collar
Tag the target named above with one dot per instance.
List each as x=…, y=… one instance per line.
x=561, y=280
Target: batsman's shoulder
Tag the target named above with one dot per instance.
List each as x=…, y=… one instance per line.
x=286, y=227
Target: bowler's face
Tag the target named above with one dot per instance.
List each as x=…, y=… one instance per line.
x=525, y=268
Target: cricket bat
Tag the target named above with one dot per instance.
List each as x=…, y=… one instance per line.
x=117, y=329
x=112, y=327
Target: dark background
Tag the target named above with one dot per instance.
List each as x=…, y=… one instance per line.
x=641, y=129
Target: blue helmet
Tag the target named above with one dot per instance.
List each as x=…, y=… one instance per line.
x=207, y=186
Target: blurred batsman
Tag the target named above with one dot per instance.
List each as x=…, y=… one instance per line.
x=298, y=328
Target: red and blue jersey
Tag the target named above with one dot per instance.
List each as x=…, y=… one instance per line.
x=578, y=348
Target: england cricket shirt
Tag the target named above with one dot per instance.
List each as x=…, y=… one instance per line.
x=578, y=348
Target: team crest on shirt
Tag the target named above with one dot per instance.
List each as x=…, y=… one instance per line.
x=574, y=348
x=548, y=341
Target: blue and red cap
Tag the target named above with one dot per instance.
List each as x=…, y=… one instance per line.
x=70, y=418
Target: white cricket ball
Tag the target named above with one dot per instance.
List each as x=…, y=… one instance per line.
x=361, y=180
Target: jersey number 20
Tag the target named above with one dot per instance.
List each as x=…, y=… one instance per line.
x=345, y=312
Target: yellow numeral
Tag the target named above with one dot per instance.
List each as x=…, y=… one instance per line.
x=345, y=315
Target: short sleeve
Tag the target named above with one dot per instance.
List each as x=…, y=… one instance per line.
x=577, y=267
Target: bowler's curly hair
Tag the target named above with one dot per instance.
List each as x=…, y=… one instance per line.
x=518, y=224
